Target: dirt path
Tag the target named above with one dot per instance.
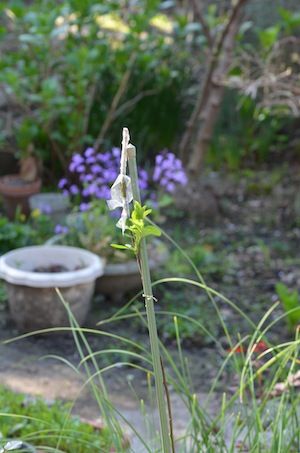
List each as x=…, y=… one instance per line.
x=25, y=368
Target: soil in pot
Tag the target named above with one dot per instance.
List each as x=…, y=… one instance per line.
x=55, y=268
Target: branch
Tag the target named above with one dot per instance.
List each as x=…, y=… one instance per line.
x=115, y=102
x=132, y=102
x=199, y=16
x=89, y=106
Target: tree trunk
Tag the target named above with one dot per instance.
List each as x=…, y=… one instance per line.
x=201, y=124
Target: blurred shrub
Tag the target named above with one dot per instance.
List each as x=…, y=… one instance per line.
x=257, y=120
x=245, y=134
x=69, y=59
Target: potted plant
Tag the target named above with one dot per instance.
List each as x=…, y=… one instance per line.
x=17, y=188
x=33, y=273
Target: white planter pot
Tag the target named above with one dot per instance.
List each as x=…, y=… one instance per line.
x=33, y=301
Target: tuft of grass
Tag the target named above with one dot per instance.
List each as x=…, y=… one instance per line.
x=36, y=423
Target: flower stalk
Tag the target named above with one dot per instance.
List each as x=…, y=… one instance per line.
x=149, y=303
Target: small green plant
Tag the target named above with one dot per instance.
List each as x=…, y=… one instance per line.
x=36, y=423
x=291, y=303
x=14, y=234
x=22, y=233
x=137, y=228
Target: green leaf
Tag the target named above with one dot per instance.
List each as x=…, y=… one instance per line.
x=121, y=247
x=151, y=230
x=290, y=301
x=269, y=36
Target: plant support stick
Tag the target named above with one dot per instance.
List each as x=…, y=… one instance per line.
x=149, y=303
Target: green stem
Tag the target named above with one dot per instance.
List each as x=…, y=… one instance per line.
x=149, y=303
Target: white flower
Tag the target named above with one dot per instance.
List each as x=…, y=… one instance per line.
x=121, y=196
x=121, y=192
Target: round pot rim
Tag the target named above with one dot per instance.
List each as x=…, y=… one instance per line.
x=29, y=188
x=13, y=275
x=57, y=201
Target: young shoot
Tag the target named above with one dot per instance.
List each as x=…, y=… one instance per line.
x=138, y=229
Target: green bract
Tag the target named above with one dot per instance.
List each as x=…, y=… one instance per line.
x=138, y=229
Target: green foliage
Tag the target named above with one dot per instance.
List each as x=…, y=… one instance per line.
x=14, y=235
x=81, y=53
x=204, y=258
x=39, y=424
x=21, y=233
x=186, y=305
x=245, y=134
x=291, y=303
x=268, y=37
x=290, y=20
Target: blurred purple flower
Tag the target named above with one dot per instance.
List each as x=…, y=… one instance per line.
x=87, y=178
x=116, y=152
x=80, y=169
x=96, y=169
x=91, y=160
x=156, y=173
x=143, y=179
x=103, y=193
x=46, y=209
x=84, y=207
x=169, y=171
x=86, y=191
x=61, y=229
x=76, y=161
x=74, y=190
x=89, y=152
x=103, y=157
x=62, y=183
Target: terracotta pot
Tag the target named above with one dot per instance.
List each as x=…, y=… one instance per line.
x=16, y=192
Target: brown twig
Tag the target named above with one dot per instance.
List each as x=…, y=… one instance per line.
x=89, y=106
x=271, y=79
x=115, y=102
x=165, y=384
x=199, y=16
x=128, y=105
